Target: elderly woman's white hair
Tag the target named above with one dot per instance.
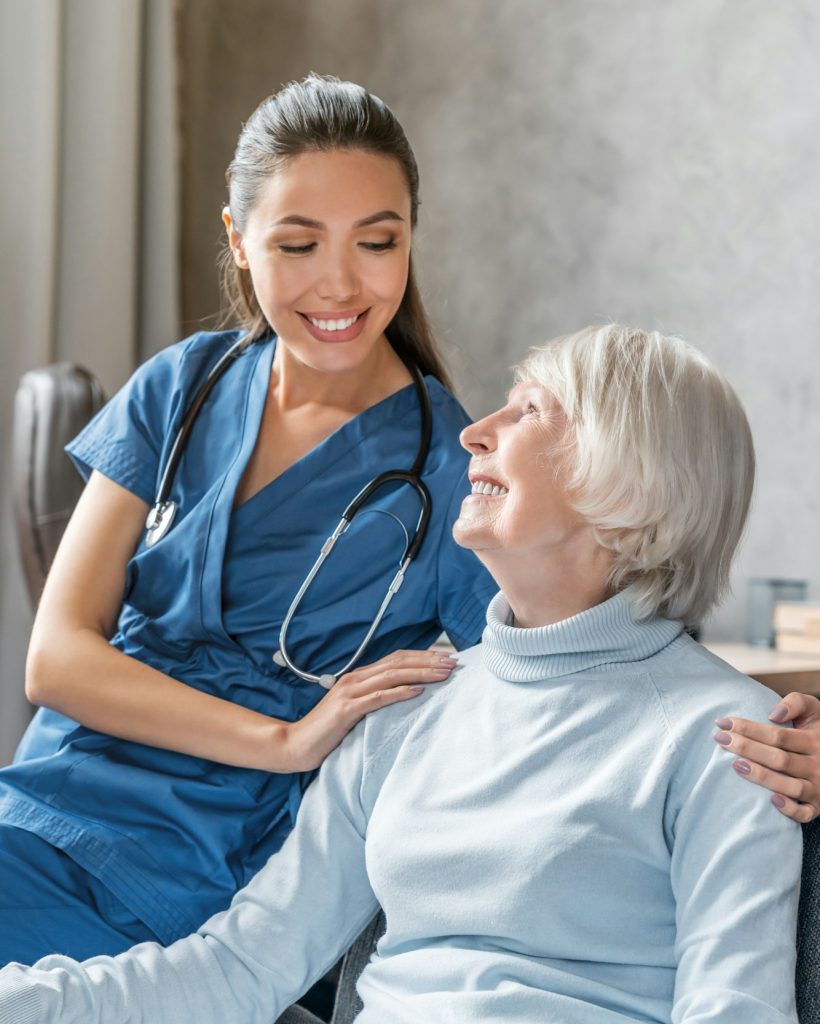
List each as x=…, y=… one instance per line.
x=659, y=459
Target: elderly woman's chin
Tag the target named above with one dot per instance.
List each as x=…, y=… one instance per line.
x=476, y=527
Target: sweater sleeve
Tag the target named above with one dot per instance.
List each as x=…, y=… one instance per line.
x=249, y=963
x=735, y=873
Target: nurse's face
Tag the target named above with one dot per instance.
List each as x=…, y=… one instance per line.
x=516, y=460
x=328, y=248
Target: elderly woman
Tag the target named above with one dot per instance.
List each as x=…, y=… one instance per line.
x=546, y=832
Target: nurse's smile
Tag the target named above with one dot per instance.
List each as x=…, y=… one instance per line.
x=335, y=326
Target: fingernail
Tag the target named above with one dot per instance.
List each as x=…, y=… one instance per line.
x=779, y=714
x=742, y=767
x=443, y=672
x=724, y=723
x=417, y=689
x=778, y=801
x=447, y=657
x=723, y=738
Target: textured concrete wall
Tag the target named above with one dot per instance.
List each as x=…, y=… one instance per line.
x=654, y=163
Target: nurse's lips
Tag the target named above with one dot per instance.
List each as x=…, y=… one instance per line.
x=335, y=326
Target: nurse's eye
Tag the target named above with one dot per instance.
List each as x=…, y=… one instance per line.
x=297, y=250
x=379, y=246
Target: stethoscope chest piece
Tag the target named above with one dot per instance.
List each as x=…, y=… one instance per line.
x=159, y=521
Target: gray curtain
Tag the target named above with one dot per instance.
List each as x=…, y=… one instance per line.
x=88, y=232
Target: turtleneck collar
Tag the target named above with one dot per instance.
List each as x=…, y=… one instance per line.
x=608, y=633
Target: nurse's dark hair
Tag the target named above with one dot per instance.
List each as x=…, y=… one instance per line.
x=320, y=114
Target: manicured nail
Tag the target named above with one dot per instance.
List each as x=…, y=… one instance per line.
x=723, y=738
x=742, y=767
x=778, y=801
x=724, y=723
x=779, y=713
x=417, y=689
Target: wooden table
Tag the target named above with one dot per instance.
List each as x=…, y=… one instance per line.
x=780, y=672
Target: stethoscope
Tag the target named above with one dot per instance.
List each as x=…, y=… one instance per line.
x=164, y=510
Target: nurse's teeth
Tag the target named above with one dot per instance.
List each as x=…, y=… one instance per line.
x=334, y=325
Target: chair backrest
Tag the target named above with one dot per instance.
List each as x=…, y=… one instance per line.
x=808, y=929
x=51, y=406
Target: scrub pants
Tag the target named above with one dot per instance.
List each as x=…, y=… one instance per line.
x=49, y=904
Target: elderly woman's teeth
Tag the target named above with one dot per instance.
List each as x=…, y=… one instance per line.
x=493, y=490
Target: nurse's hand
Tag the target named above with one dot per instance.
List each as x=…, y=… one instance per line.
x=786, y=761
x=394, y=678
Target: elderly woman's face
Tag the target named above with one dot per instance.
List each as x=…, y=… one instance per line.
x=519, y=501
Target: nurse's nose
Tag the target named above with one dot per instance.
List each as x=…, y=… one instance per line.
x=339, y=281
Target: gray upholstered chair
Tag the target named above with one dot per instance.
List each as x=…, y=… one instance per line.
x=52, y=404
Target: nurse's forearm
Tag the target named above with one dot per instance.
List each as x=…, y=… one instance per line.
x=78, y=673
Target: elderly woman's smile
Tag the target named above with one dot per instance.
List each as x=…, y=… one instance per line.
x=518, y=496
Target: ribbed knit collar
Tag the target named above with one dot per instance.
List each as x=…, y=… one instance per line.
x=606, y=634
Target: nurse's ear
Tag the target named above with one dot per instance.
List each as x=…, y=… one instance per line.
x=234, y=240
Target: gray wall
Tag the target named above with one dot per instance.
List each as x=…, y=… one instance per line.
x=654, y=163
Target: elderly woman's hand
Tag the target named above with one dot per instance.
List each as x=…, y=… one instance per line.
x=786, y=761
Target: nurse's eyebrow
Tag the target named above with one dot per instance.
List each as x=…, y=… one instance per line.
x=374, y=218
x=307, y=222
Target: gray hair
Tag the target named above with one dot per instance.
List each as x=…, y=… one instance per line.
x=659, y=460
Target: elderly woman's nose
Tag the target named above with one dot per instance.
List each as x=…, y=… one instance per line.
x=477, y=437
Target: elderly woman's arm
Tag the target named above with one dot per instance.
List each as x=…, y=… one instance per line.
x=785, y=761
x=282, y=932
x=736, y=878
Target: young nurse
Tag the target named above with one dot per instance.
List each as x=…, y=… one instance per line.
x=170, y=755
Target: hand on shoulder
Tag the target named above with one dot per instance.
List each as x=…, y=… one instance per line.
x=785, y=761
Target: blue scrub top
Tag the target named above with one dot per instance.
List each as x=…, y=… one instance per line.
x=175, y=836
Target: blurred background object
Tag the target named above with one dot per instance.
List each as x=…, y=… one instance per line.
x=648, y=163
x=763, y=596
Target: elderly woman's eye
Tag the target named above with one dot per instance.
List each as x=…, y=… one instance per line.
x=530, y=408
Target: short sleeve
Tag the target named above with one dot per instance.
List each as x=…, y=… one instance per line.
x=465, y=588
x=124, y=440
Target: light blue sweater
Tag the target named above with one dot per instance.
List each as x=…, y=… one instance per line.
x=553, y=834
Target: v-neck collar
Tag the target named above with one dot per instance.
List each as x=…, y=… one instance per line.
x=335, y=446
x=297, y=476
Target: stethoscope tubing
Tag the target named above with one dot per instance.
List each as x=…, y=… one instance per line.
x=163, y=511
